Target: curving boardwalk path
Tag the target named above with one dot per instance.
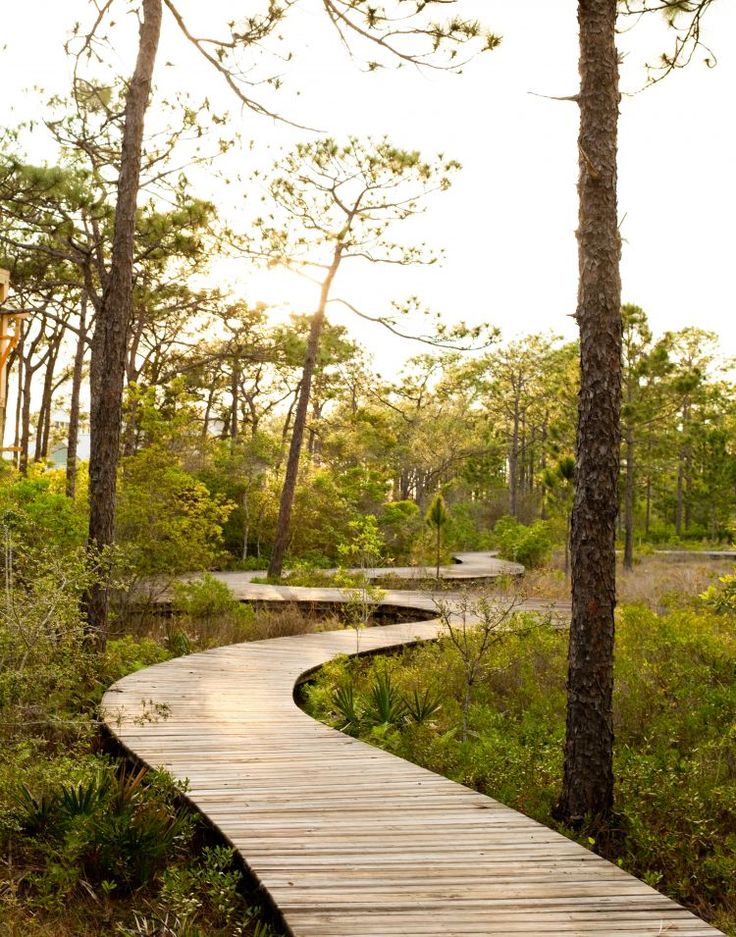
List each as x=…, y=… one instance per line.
x=348, y=840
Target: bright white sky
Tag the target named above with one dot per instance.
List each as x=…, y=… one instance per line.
x=507, y=225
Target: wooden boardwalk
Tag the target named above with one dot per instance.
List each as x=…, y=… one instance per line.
x=348, y=840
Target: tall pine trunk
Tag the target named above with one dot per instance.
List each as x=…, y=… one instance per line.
x=588, y=772
x=281, y=538
x=110, y=338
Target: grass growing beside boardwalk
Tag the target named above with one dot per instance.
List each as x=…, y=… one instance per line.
x=675, y=728
x=656, y=581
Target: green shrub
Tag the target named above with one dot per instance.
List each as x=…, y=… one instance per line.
x=127, y=654
x=203, y=898
x=116, y=829
x=38, y=512
x=400, y=522
x=167, y=522
x=207, y=599
x=722, y=597
x=249, y=564
x=529, y=545
x=207, y=615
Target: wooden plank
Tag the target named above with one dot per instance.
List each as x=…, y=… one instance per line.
x=348, y=839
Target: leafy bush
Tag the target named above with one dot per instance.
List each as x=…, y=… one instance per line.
x=83, y=845
x=167, y=521
x=46, y=665
x=249, y=563
x=205, y=599
x=211, y=612
x=400, y=522
x=722, y=597
x=39, y=514
x=528, y=545
x=209, y=886
x=116, y=828
x=126, y=655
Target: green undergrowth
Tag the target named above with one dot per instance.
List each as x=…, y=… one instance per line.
x=88, y=845
x=675, y=717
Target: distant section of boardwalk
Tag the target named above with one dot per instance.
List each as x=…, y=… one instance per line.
x=469, y=566
x=697, y=554
x=348, y=840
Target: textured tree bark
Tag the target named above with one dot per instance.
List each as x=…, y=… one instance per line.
x=207, y=412
x=281, y=538
x=289, y=417
x=587, y=789
x=74, y=405
x=109, y=341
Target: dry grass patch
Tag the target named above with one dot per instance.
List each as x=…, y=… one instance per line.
x=656, y=582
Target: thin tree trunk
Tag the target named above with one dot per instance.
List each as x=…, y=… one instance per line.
x=629, y=501
x=290, y=416
x=682, y=458
x=234, y=393
x=587, y=788
x=207, y=412
x=44, y=413
x=19, y=398
x=25, y=386
x=246, y=525
x=25, y=419
x=513, y=466
x=531, y=461
x=74, y=407
x=12, y=358
x=113, y=319
x=286, y=503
